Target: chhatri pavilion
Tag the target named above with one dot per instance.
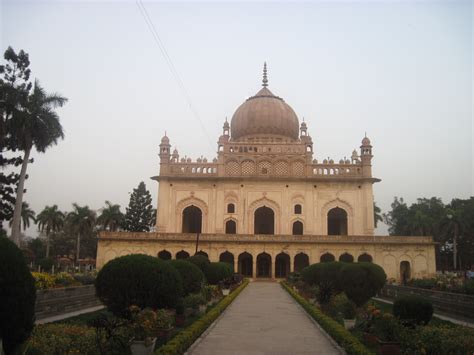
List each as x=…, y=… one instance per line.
x=267, y=206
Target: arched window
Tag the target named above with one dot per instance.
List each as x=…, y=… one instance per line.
x=282, y=265
x=298, y=228
x=264, y=265
x=230, y=227
x=364, y=258
x=301, y=261
x=347, y=258
x=230, y=208
x=245, y=264
x=227, y=257
x=298, y=209
x=264, y=222
x=337, y=222
x=164, y=255
x=327, y=257
x=203, y=253
x=192, y=220
x=182, y=255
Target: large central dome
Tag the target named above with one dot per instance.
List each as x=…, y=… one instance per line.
x=264, y=115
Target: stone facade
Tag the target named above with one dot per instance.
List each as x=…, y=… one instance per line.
x=267, y=198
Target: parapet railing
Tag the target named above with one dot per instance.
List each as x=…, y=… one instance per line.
x=340, y=239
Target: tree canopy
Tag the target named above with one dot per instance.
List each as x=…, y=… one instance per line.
x=139, y=215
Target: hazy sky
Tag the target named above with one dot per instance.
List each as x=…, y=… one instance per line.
x=400, y=71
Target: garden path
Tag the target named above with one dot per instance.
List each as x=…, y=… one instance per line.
x=264, y=319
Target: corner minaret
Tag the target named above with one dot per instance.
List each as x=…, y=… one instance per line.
x=165, y=149
x=366, y=157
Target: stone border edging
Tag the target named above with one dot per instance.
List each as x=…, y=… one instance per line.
x=195, y=330
x=335, y=331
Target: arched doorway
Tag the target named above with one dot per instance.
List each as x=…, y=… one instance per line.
x=326, y=258
x=264, y=265
x=227, y=257
x=300, y=262
x=245, y=264
x=182, y=254
x=405, y=272
x=346, y=258
x=264, y=221
x=364, y=258
x=337, y=222
x=192, y=220
x=282, y=265
x=230, y=227
x=298, y=228
x=164, y=255
x=203, y=253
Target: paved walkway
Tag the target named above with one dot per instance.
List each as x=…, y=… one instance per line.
x=264, y=319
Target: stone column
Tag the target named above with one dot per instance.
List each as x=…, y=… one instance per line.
x=254, y=267
x=292, y=264
x=236, y=264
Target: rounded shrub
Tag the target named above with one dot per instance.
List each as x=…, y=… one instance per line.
x=192, y=276
x=17, y=296
x=200, y=261
x=46, y=264
x=326, y=277
x=361, y=281
x=217, y=272
x=413, y=309
x=140, y=280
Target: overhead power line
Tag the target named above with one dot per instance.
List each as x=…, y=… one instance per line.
x=171, y=66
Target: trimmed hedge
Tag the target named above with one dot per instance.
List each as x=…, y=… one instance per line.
x=326, y=277
x=191, y=275
x=17, y=296
x=341, y=335
x=200, y=261
x=217, y=272
x=361, y=281
x=140, y=280
x=414, y=309
x=184, y=339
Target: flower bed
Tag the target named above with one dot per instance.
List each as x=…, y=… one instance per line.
x=184, y=339
x=44, y=280
x=448, y=282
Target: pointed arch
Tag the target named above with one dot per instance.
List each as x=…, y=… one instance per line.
x=338, y=203
x=263, y=202
x=191, y=201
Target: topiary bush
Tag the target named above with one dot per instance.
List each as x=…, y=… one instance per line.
x=217, y=272
x=192, y=276
x=361, y=281
x=46, y=264
x=140, y=280
x=326, y=277
x=413, y=309
x=200, y=261
x=17, y=296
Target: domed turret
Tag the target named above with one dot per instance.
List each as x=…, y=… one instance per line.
x=264, y=115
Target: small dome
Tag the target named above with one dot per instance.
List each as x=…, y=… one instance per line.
x=165, y=139
x=366, y=141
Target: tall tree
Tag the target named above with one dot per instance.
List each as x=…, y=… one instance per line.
x=27, y=215
x=81, y=222
x=139, y=215
x=50, y=220
x=37, y=127
x=14, y=90
x=111, y=218
x=377, y=214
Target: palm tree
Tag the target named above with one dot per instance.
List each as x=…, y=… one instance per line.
x=377, y=214
x=50, y=220
x=82, y=221
x=39, y=127
x=111, y=217
x=27, y=214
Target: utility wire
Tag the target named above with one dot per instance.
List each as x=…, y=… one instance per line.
x=171, y=66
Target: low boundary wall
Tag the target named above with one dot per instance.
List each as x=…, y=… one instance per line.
x=56, y=301
x=456, y=305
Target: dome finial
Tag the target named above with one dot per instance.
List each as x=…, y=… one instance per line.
x=265, y=80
